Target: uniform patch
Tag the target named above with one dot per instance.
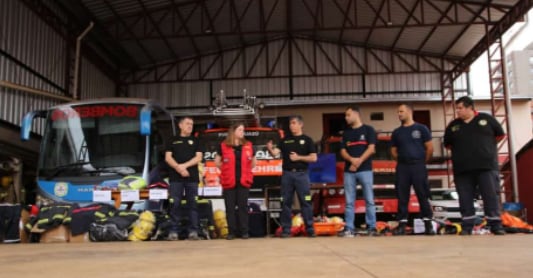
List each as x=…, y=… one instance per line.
x=362, y=137
x=302, y=142
x=190, y=142
x=416, y=134
x=455, y=128
x=482, y=122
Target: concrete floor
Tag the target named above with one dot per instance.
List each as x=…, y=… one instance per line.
x=408, y=256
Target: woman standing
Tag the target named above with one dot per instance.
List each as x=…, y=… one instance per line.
x=236, y=159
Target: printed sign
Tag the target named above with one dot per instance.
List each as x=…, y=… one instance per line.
x=101, y=196
x=129, y=195
x=158, y=194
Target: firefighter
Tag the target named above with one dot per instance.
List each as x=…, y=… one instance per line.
x=357, y=147
x=182, y=155
x=297, y=151
x=236, y=159
x=412, y=148
x=472, y=138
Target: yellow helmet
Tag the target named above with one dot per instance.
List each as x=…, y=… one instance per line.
x=219, y=214
x=6, y=181
x=143, y=227
x=336, y=220
x=297, y=220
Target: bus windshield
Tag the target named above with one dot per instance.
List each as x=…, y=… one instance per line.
x=96, y=139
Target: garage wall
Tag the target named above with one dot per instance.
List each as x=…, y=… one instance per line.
x=32, y=54
x=521, y=111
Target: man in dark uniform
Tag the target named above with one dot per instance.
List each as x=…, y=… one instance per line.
x=357, y=147
x=472, y=138
x=183, y=155
x=297, y=151
x=412, y=148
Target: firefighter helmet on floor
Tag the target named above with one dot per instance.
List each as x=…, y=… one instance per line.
x=143, y=227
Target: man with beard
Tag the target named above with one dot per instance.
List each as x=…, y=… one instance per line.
x=472, y=138
x=412, y=148
x=357, y=147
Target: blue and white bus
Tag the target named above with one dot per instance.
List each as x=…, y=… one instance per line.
x=95, y=143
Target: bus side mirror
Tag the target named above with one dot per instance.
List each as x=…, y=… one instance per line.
x=27, y=121
x=146, y=121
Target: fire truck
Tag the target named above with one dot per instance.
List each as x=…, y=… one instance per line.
x=267, y=170
x=222, y=114
x=384, y=168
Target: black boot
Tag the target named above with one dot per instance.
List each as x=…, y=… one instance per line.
x=497, y=230
x=429, y=228
x=400, y=230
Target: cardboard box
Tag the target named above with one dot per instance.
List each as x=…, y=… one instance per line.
x=60, y=233
x=80, y=238
x=420, y=228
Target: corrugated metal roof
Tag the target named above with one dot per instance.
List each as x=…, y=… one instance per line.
x=167, y=29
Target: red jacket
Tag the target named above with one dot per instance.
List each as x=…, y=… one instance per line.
x=227, y=175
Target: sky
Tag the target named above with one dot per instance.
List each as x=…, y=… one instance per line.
x=518, y=37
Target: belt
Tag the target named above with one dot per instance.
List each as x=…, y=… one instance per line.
x=415, y=161
x=295, y=170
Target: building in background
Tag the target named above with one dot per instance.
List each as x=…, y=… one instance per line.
x=518, y=45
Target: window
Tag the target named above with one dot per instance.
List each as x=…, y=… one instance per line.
x=376, y=116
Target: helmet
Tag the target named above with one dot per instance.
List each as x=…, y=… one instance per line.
x=6, y=181
x=450, y=229
x=132, y=182
x=221, y=223
x=219, y=214
x=336, y=220
x=143, y=227
x=297, y=220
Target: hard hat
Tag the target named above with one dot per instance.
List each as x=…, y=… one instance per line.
x=336, y=220
x=297, y=220
x=143, y=227
x=219, y=214
x=6, y=181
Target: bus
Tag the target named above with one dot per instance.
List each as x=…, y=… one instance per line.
x=93, y=144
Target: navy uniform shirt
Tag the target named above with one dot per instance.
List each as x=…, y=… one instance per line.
x=473, y=144
x=301, y=145
x=184, y=149
x=355, y=141
x=410, y=143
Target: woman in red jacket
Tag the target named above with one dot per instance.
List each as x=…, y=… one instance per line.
x=236, y=159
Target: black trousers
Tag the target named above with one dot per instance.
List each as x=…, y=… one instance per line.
x=296, y=182
x=177, y=190
x=417, y=176
x=236, y=201
x=9, y=223
x=488, y=184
